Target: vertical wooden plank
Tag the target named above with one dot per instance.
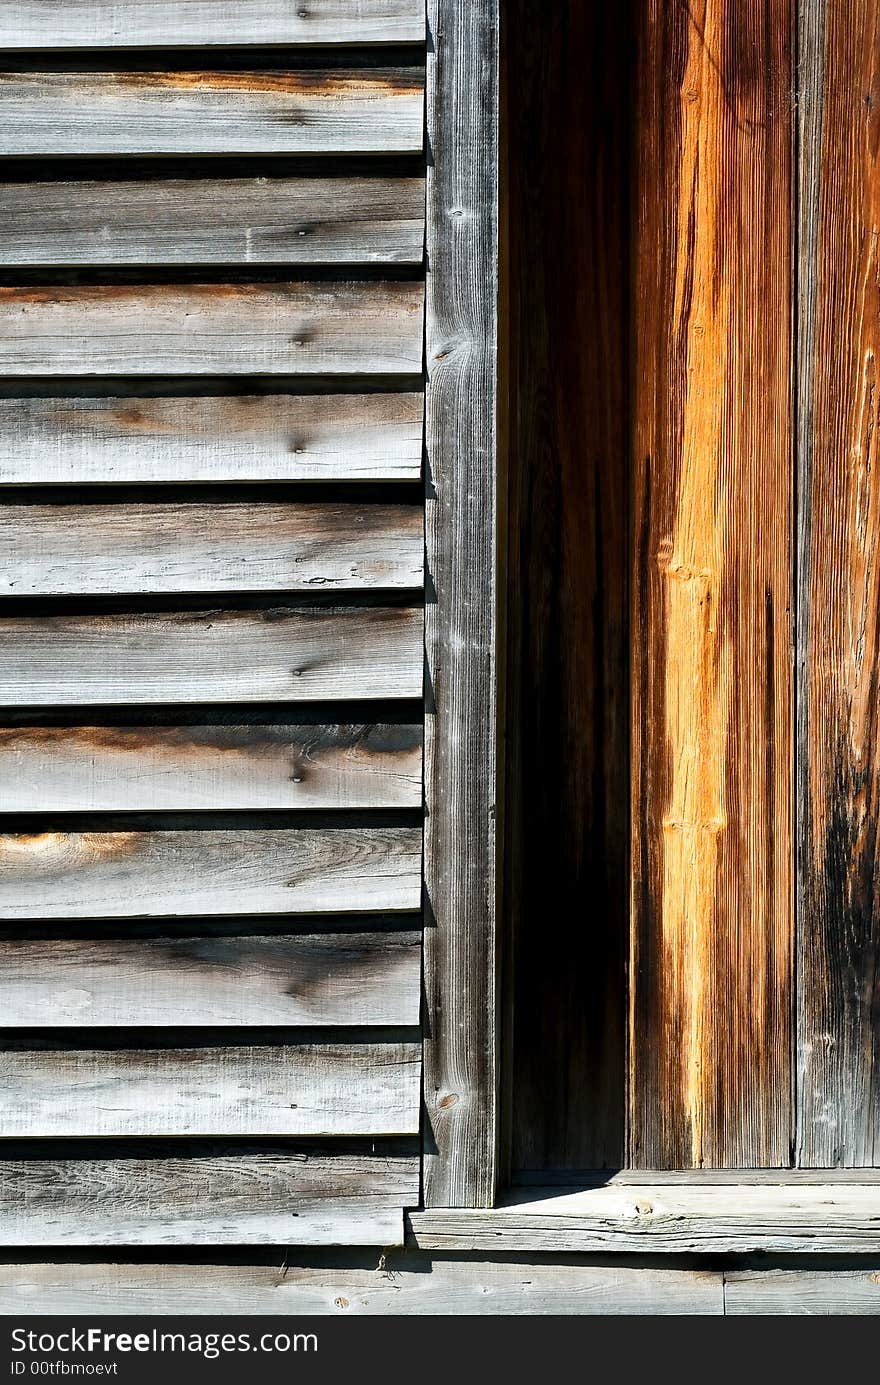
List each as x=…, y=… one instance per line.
x=712, y=696
x=839, y=625
x=567, y=79
x=460, y=439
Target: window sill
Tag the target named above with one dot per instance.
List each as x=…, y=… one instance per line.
x=685, y=1218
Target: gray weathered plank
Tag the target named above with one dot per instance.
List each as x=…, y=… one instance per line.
x=205, y=23
x=278, y=979
x=401, y=1283
x=838, y=638
x=294, y=1089
x=372, y=437
x=125, y=113
x=819, y=1292
x=99, y=550
x=208, y=765
x=165, y=874
x=211, y=656
x=667, y=1219
x=460, y=624
x=212, y=329
x=245, y=1198
x=344, y=221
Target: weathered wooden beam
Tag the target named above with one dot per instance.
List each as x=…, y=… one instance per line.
x=192, y=221
x=206, y=23
x=663, y=1219
x=274, y=437
x=284, y=653
x=400, y=1283
x=244, y=1198
x=377, y=111
x=839, y=586
x=253, y=764
x=712, y=694
x=167, y=874
x=212, y=329
x=285, y=1089
x=298, y=979
x=157, y=548
x=460, y=615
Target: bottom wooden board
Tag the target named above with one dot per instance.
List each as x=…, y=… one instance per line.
x=250, y=1198
x=399, y=1283
x=402, y=1283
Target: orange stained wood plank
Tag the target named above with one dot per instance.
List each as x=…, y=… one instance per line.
x=711, y=966
x=839, y=630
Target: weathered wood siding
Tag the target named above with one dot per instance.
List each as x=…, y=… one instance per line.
x=211, y=419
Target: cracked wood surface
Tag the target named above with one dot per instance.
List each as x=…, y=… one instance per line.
x=153, y=548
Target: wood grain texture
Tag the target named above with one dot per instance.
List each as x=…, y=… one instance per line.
x=240, y=1199
x=206, y=23
x=181, y=981
x=693, y=1220
x=566, y=747
x=213, y=221
x=212, y=329
x=460, y=616
x=342, y=1284
x=839, y=627
x=380, y=111
x=225, y=765
x=158, y=874
x=712, y=679
x=154, y=548
x=279, y=437
x=291, y=1089
x=285, y=653
x=805, y=1292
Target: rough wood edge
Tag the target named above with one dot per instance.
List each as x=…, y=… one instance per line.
x=460, y=1078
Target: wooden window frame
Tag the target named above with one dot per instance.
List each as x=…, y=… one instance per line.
x=797, y=1211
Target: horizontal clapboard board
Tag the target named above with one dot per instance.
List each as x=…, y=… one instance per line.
x=187, y=221
x=52, y=550
x=167, y=874
x=202, y=23
x=286, y=1089
x=283, y=654
x=212, y=329
x=243, y=765
x=216, y=979
x=280, y=437
x=203, y=439
x=228, y=112
x=277, y=1197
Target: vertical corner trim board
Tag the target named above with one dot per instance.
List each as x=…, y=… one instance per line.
x=460, y=631
x=839, y=586
x=712, y=885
